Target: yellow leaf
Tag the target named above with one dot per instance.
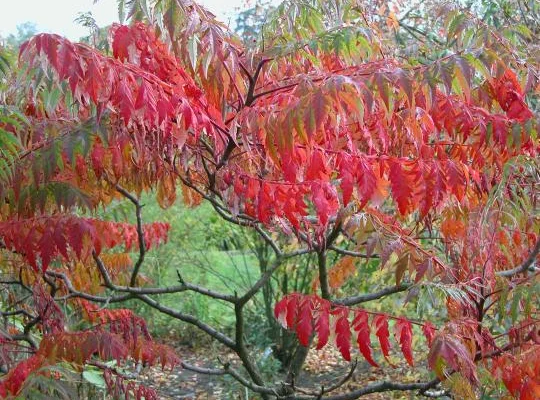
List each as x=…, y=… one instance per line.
x=460, y=387
x=166, y=191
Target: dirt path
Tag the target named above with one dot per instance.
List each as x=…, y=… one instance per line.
x=323, y=367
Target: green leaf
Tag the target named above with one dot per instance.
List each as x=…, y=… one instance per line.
x=523, y=30
x=94, y=377
x=514, y=306
x=462, y=82
x=207, y=59
x=456, y=26
x=478, y=66
x=9, y=142
x=192, y=50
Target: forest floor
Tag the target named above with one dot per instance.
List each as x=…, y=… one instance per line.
x=322, y=367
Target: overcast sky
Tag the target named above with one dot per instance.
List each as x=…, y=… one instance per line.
x=57, y=15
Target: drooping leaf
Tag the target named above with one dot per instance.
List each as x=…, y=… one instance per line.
x=380, y=322
x=361, y=325
x=343, y=333
x=403, y=333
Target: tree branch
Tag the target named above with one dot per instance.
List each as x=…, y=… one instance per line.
x=331, y=388
x=346, y=252
x=86, y=296
x=378, y=387
x=260, y=283
x=140, y=233
x=362, y=298
x=228, y=370
x=250, y=98
x=323, y=275
x=525, y=265
x=241, y=349
x=220, y=337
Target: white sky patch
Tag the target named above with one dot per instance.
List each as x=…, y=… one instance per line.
x=57, y=16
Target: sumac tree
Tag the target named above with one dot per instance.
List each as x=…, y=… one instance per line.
x=329, y=132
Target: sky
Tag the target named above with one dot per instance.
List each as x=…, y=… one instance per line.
x=56, y=16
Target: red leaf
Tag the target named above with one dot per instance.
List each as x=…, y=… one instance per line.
x=121, y=41
x=347, y=186
x=402, y=187
x=14, y=380
x=456, y=179
x=317, y=169
x=323, y=326
x=455, y=354
x=306, y=314
x=510, y=96
x=421, y=269
x=530, y=389
x=403, y=333
x=51, y=49
x=367, y=181
x=518, y=110
x=292, y=310
x=304, y=323
x=361, y=325
x=429, y=332
x=164, y=109
x=343, y=334
x=146, y=99
x=280, y=311
x=46, y=249
x=96, y=158
x=125, y=100
x=325, y=200
x=381, y=330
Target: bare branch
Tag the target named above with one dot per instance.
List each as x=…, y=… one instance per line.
x=220, y=337
x=241, y=349
x=378, y=387
x=323, y=274
x=228, y=370
x=140, y=233
x=266, y=237
x=204, y=371
x=26, y=338
x=362, y=298
x=90, y=297
x=331, y=388
x=184, y=286
x=143, y=297
x=346, y=252
x=103, y=271
x=250, y=98
x=260, y=283
x=16, y=312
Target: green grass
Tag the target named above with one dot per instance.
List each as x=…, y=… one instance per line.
x=195, y=250
x=221, y=271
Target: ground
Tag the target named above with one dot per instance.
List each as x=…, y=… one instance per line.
x=325, y=366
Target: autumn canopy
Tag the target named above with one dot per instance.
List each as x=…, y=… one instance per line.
x=325, y=137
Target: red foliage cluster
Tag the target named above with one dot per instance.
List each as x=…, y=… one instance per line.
x=48, y=237
x=126, y=336
x=310, y=315
x=520, y=373
x=153, y=99
x=315, y=144
x=12, y=383
x=117, y=387
x=508, y=93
